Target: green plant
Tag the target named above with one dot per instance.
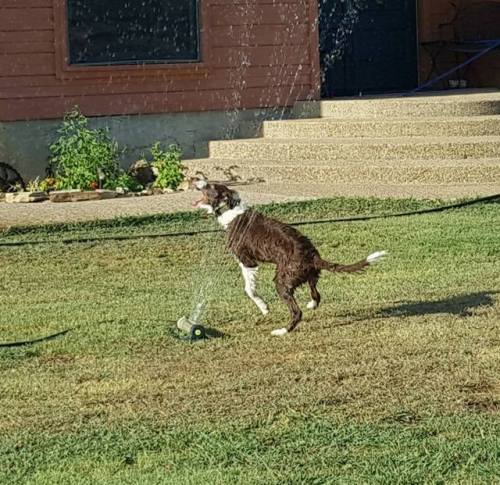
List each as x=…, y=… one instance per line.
x=47, y=184
x=82, y=156
x=167, y=165
x=33, y=185
x=125, y=181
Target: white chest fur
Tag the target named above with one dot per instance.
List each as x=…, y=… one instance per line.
x=230, y=215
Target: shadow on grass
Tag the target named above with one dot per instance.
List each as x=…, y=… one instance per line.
x=461, y=305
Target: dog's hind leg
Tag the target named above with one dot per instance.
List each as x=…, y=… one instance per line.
x=249, y=275
x=315, y=296
x=286, y=293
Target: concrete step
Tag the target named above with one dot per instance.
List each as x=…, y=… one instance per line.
x=409, y=148
x=272, y=192
x=354, y=172
x=456, y=103
x=331, y=127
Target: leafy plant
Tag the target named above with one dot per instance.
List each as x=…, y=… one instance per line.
x=124, y=181
x=47, y=184
x=81, y=156
x=33, y=185
x=167, y=165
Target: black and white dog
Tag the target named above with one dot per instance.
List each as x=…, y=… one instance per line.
x=255, y=238
x=10, y=178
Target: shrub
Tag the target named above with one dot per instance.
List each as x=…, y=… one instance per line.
x=125, y=181
x=48, y=184
x=82, y=156
x=167, y=165
x=33, y=185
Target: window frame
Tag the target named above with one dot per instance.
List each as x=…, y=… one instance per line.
x=65, y=70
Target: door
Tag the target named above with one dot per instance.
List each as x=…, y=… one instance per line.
x=379, y=56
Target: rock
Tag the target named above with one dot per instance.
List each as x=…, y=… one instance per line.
x=168, y=191
x=146, y=192
x=121, y=191
x=80, y=195
x=25, y=197
x=142, y=172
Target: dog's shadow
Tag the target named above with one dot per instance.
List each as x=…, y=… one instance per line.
x=463, y=305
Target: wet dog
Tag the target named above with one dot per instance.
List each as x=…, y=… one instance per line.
x=255, y=238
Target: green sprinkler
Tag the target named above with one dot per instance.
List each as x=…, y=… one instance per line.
x=193, y=330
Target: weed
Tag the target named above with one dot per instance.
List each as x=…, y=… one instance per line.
x=167, y=165
x=83, y=157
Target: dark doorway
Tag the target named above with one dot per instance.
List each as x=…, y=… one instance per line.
x=379, y=56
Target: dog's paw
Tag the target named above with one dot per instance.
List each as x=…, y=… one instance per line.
x=312, y=305
x=376, y=257
x=279, y=332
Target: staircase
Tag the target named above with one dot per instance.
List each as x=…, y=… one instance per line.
x=443, y=145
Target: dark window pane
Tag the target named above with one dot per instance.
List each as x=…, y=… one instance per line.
x=132, y=31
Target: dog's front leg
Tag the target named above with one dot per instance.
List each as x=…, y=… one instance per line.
x=249, y=275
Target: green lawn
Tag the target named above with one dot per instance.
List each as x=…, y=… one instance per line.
x=394, y=379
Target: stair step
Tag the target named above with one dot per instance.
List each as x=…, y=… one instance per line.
x=457, y=103
x=331, y=127
x=352, y=172
x=409, y=148
x=277, y=192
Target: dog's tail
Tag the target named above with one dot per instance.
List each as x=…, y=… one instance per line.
x=351, y=268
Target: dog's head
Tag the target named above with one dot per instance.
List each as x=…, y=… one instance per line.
x=215, y=197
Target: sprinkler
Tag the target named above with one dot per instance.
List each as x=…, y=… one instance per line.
x=190, y=328
x=194, y=330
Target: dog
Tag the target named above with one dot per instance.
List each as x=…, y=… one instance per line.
x=10, y=178
x=254, y=238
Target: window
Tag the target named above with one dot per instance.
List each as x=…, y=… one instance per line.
x=104, y=32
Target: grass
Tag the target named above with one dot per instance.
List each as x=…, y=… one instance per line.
x=394, y=379
x=193, y=221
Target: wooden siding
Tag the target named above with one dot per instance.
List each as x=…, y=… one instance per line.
x=434, y=15
x=256, y=53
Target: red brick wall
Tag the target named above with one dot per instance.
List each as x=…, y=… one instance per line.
x=275, y=38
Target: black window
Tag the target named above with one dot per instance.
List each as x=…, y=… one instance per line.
x=132, y=31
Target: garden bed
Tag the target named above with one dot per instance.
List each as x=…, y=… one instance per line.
x=76, y=195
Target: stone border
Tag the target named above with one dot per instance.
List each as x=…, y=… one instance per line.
x=25, y=197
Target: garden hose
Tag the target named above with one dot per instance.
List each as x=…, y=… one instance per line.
x=479, y=200
x=443, y=208
x=22, y=343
